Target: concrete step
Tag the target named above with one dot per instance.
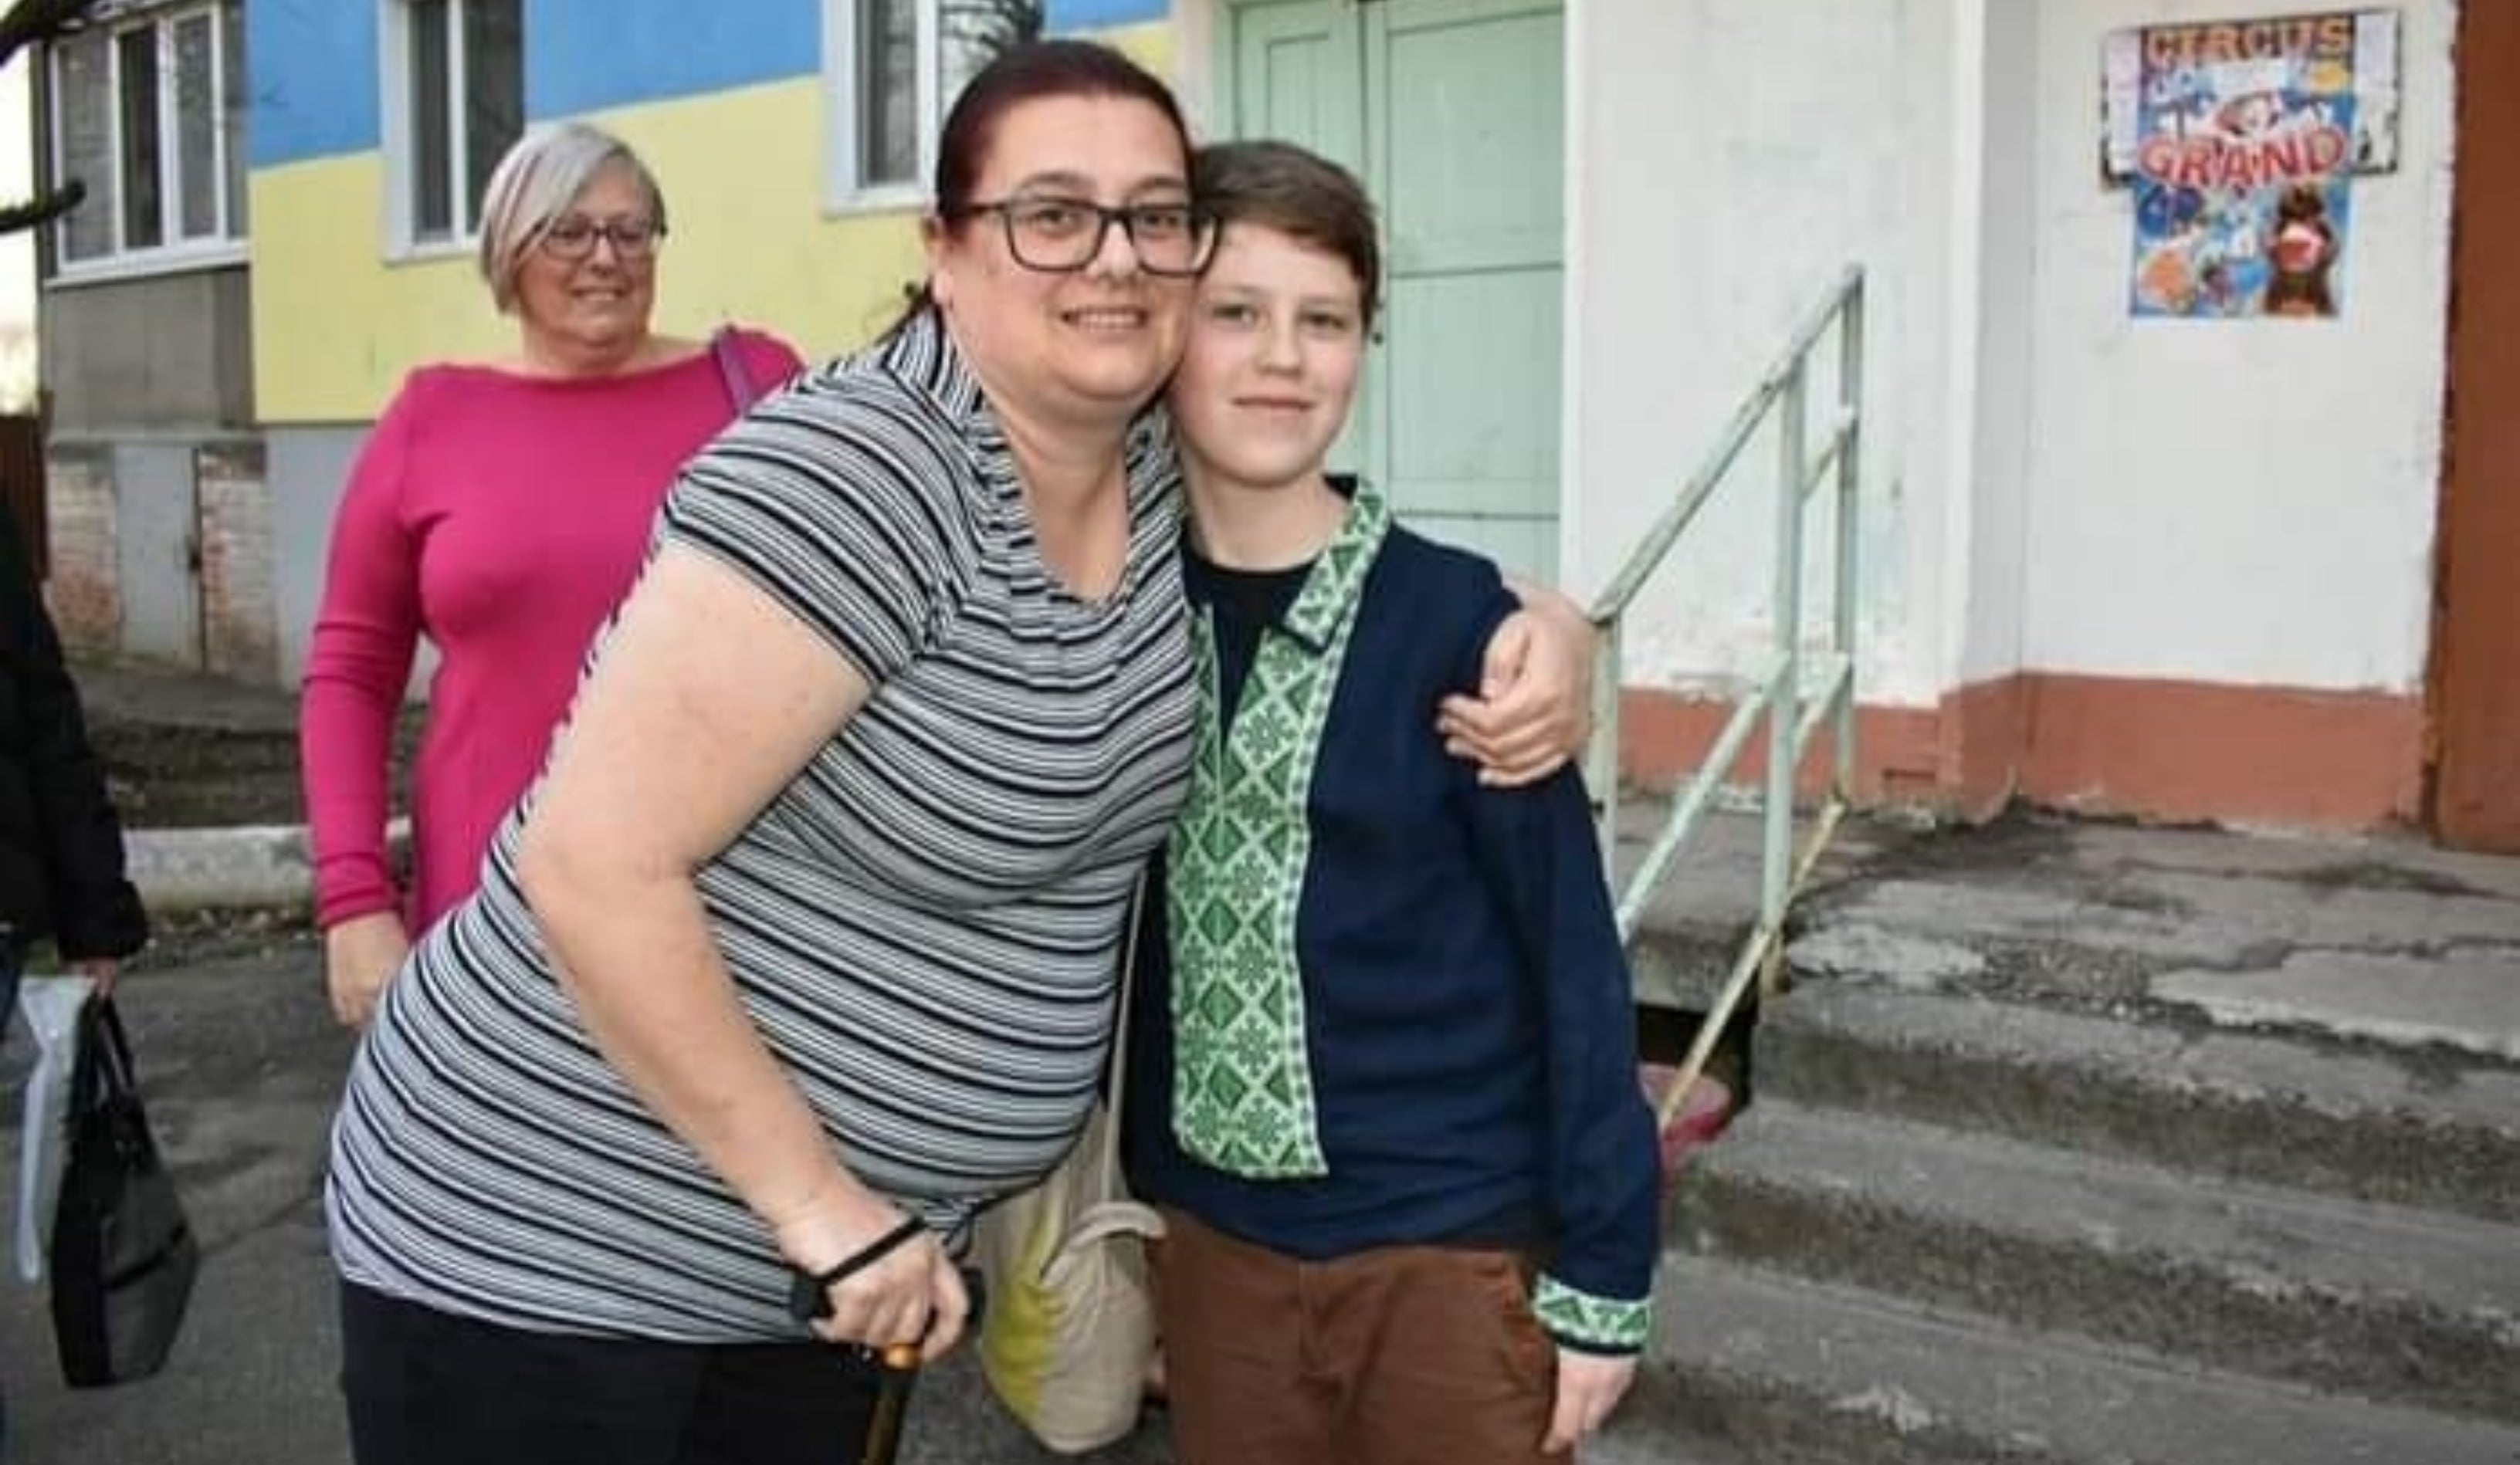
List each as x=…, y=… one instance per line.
x=2420, y=1308
x=2428, y=1127
x=1693, y=925
x=212, y=748
x=236, y=868
x=1793, y=1373
x=1682, y=968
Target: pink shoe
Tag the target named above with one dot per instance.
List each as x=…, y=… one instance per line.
x=1701, y=1118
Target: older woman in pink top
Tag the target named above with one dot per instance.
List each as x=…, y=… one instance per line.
x=499, y=510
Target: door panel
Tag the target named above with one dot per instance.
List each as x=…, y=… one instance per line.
x=1473, y=132
x=1452, y=113
x=1295, y=78
x=1481, y=441
x=1464, y=115
x=1521, y=546
x=157, y=558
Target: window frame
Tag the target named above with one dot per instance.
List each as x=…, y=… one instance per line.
x=398, y=139
x=226, y=245
x=844, y=190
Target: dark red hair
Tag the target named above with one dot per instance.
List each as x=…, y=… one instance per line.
x=1030, y=71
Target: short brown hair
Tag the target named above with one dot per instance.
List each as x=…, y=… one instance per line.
x=1299, y=193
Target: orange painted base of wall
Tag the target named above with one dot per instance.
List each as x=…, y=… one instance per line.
x=2176, y=752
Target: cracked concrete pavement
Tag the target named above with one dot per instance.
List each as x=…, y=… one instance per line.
x=2381, y=941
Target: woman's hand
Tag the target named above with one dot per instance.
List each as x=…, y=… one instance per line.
x=361, y=955
x=99, y=970
x=913, y=1293
x=1534, y=710
x=1589, y=1387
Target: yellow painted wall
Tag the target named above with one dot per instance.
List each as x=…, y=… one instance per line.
x=1149, y=45
x=336, y=323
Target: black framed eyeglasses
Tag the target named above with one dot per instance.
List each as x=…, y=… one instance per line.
x=573, y=238
x=1059, y=235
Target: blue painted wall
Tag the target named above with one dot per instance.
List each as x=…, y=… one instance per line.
x=312, y=69
x=588, y=55
x=314, y=61
x=1060, y=16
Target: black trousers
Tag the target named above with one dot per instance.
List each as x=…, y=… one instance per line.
x=426, y=1388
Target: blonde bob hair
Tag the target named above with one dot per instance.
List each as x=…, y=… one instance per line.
x=535, y=183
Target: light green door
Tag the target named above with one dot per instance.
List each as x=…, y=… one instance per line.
x=1452, y=111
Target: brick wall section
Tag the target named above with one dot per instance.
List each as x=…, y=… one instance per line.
x=240, y=620
x=82, y=592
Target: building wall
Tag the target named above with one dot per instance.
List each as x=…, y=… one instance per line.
x=161, y=352
x=1732, y=157
x=239, y=629
x=151, y=379
x=145, y=374
x=727, y=104
x=1982, y=400
x=2168, y=568
x=306, y=468
x=2229, y=526
x=750, y=244
x=2239, y=502
x=82, y=591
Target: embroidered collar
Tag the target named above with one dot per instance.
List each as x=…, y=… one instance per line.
x=1338, y=581
x=1334, y=581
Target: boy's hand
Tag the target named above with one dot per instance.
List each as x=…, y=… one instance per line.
x=1589, y=1387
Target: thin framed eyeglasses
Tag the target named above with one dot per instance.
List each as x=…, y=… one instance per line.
x=1060, y=236
x=573, y=238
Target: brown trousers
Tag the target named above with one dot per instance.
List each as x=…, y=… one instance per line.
x=1399, y=1355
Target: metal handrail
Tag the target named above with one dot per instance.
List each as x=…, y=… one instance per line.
x=1777, y=692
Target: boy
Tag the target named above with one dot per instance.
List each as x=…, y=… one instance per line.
x=1387, y=1087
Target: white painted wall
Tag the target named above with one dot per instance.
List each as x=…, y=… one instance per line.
x=2057, y=487
x=2244, y=502
x=1983, y=401
x=1734, y=155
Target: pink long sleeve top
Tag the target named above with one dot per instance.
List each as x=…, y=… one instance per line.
x=502, y=516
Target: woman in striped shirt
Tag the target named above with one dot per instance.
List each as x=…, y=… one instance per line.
x=803, y=947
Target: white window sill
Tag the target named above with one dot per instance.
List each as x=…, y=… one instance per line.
x=886, y=198
x=430, y=250
x=139, y=265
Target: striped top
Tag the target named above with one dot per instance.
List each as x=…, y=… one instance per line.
x=924, y=923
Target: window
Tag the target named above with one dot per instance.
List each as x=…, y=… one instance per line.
x=455, y=101
x=892, y=68
x=149, y=113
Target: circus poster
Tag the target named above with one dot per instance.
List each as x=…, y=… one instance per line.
x=2240, y=139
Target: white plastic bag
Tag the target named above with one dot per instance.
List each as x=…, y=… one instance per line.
x=51, y=1006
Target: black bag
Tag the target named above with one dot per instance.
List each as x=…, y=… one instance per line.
x=122, y=1256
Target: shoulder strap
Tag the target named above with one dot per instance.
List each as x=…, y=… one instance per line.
x=1118, y=1096
x=730, y=365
